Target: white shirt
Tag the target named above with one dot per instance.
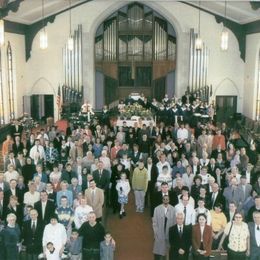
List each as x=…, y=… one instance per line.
x=11, y=175
x=149, y=169
x=257, y=235
x=248, y=177
x=31, y=198
x=160, y=166
x=81, y=215
x=43, y=208
x=182, y=133
x=190, y=213
x=33, y=152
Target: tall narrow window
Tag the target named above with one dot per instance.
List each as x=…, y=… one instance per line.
x=10, y=80
x=2, y=112
x=258, y=91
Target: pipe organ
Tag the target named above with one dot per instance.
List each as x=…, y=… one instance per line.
x=198, y=74
x=135, y=39
x=72, y=88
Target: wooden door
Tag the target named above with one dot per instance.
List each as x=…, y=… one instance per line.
x=226, y=107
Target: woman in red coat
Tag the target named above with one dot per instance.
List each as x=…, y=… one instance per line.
x=201, y=238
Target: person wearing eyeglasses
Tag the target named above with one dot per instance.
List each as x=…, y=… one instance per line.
x=239, y=238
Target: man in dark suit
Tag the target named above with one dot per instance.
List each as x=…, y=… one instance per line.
x=230, y=213
x=16, y=129
x=254, y=230
x=158, y=196
x=101, y=177
x=216, y=197
x=180, y=239
x=254, y=208
x=45, y=208
x=212, y=167
x=13, y=190
x=11, y=160
x=17, y=146
x=32, y=233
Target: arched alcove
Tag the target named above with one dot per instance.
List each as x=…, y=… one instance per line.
x=135, y=51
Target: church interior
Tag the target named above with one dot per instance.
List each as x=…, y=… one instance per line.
x=168, y=87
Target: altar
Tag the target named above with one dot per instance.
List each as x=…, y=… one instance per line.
x=135, y=120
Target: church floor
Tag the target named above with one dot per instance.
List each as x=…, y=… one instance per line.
x=133, y=234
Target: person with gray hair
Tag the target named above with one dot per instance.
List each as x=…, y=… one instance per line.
x=11, y=238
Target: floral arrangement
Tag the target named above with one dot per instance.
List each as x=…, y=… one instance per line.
x=135, y=110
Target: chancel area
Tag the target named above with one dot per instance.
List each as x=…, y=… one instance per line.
x=129, y=130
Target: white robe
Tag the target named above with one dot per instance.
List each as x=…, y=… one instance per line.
x=55, y=234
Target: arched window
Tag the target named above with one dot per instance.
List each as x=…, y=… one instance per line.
x=10, y=79
x=258, y=90
x=135, y=51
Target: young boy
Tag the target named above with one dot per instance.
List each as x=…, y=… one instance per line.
x=107, y=247
x=51, y=252
x=74, y=245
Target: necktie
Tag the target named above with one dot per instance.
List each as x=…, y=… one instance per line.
x=185, y=211
x=165, y=220
x=213, y=199
x=33, y=227
x=258, y=228
x=37, y=149
x=180, y=232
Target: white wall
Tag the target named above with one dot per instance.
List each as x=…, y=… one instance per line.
x=18, y=54
x=47, y=64
x=251, y=67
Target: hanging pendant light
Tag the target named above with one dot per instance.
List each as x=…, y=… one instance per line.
x=2, y=32
x=43, y=34
x=70, y=40
x=224, y=33
x=198, y=40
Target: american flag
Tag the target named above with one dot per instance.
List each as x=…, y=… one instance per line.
x=59, y=99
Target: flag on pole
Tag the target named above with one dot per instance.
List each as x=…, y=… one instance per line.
x=59, y=99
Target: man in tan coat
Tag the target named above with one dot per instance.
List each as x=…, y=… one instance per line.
x=95, y=199
x=139, y=185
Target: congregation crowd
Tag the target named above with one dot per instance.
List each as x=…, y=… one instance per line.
x=201, y=186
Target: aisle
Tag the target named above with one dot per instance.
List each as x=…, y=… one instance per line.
x=133, y=234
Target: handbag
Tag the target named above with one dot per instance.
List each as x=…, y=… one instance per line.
x=226, y=241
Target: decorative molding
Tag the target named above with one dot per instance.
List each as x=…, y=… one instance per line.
x=34, y=28
x=255, y=5
x=6, y=6
x=236, y=28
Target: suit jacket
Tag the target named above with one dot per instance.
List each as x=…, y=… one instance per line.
x=17, y=148
x=248, y=189
x=207, y=238
x=16, y=132
x=237, y=197
x=8, y=161
x=103, y=181
x=179, y=242
x=218, y=199
x=18, y=193
x=97, y=203
x=49, y=211
x=18, y=213
x=158, y=196
x=32, y=240
x=254, y=248
x=6, y=186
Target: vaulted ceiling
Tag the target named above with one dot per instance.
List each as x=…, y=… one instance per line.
x=30, y=11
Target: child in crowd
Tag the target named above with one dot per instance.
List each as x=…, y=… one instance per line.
x=107, y=247
x=123, y=188
x=74, y=245
x=51, y=253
